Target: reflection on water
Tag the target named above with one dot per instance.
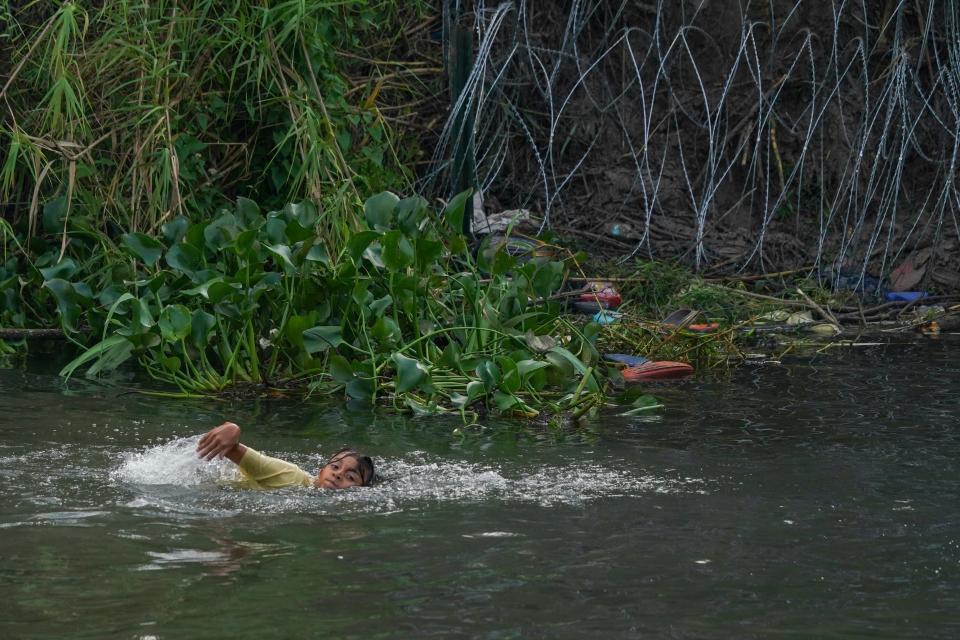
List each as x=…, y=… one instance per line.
x=813, y=499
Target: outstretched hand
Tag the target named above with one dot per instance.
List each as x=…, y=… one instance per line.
x=219, y=442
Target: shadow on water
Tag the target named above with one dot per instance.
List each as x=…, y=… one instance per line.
x=816, y=498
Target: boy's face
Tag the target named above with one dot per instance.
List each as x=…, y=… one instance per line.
x=340, y=473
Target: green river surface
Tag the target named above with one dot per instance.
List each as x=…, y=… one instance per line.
x=817, y=499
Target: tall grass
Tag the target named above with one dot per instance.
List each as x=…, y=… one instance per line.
x=128, y=113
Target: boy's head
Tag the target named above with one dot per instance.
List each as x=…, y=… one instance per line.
x=345, y=468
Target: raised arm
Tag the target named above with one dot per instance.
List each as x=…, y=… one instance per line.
x=222, y=442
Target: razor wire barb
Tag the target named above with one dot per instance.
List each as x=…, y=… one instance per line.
x=835, y=125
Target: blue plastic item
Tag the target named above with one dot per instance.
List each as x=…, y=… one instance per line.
x=606, y=317
x=623, y=358
x=905, y=296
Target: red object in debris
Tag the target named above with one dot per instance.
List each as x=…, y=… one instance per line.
x=705, y=327
x=657, y=371
x=604, y=292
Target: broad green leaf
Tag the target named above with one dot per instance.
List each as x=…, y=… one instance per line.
x=397, y=251
x=282, y=252
x=511, y=381
x=509, y=378
x=592, y=330
x=475, y=389
x=246, y=244
x=361, y=292
x=386, y=331
x=548, y=279
x=378, y=210
x=526, y=367
x=174, y=230
x=378, y=306
x=221, y=232
x=453, y=213
x=54, y=213
x=142, y=317
x=560, y=371
x=143, y=247
x=194, y=236
x=451, y=356
x=184, y=258
x=109, y=296
x=248, y=213
x=358, y=243
x=63, y=269
x=410, y=373
x=276, y=230
x=318, y=253
x=409, y=213
x=321, y=338
x=170, y=363
x=201, y=324
x=506, y=401
x=577, y=364
x=502, y=262
x=215, y=290
x=69, y=302
x=294, y=232
x=340, y=369
x=303, y=212
x=487, y=372
x=175, y=322
x=295, y=327
x=360, y=389
x=427, y=252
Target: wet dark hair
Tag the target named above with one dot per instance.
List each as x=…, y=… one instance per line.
x=368, y=475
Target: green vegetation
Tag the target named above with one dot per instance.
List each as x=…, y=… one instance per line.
x=131, y=124
x=121, y=116
x=402, y=313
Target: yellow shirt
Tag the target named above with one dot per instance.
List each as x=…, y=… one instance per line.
x=263, y=472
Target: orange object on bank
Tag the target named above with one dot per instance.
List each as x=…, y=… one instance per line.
x=657, y=371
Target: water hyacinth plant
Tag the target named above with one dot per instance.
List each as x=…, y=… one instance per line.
x=404, y=313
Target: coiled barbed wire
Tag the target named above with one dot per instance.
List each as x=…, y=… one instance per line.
x=842, y=130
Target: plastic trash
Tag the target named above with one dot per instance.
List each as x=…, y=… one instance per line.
x=704, y=327
x=607, y=317
x=663, y=370
x=622, y=231
x=603, y=292
x=680, y=319
x=623, y=358
x=905, y=296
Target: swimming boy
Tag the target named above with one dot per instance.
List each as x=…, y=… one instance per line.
x=346, y=468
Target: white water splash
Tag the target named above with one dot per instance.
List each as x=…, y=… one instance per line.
x=412, y=482
x=173, y=463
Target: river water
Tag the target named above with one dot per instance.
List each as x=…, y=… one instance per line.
x=818, y=498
